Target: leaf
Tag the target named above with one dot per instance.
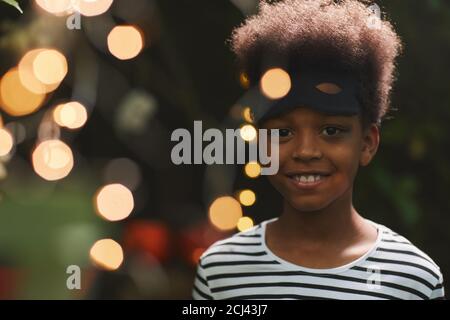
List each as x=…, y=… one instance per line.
x=14, y=3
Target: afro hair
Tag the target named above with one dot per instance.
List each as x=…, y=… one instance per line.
x=323, y=33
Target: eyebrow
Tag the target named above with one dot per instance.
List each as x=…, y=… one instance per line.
x=338, y=118
x=284, y=119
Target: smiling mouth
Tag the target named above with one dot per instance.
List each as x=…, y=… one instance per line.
x=307, y=180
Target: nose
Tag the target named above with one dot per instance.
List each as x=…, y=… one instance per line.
x=306, y=147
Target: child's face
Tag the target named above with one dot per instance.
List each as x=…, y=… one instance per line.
x=328, y=149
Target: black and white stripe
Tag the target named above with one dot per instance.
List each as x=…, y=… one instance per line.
x=242, y=267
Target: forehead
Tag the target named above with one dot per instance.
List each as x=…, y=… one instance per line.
x=304, y=115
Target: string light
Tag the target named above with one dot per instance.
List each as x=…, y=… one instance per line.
x=6, y=142
x=125, y=42
x=92, y=8
x=224, y=213
x=244, y=223
x=15, y=98
x=248, y=132
x=50, y=67
x=114, y=202
x=252, y=169
x=275, y=83
x=107, y=254
x=72, y=115
x=247, y=114
x=52, y=160
x=247, y=197
x=55, y=7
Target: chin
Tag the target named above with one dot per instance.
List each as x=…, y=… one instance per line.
x=308, y=204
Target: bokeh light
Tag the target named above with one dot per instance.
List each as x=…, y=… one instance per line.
x=52, y=160
x=50, y=66
x=225, y=212
x=275, y=83
x=247, y=197
x=243, y=80
x=252, y=169
x=15, y=98
x=114, y=202
x=92, y=8
x=125, y=42
x=107, y=254
x=244, y=223
x=247, y=114
x=248, y=132
x=72, y=115
x=6, y=142
x=56, y=7
x=27, y=76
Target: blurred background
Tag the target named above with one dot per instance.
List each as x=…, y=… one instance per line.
x=89, y=97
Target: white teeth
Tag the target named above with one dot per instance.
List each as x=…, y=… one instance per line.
x=307, y=178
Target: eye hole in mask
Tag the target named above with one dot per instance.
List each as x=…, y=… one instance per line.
x=329, y=88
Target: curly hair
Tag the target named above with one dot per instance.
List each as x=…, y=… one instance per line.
x=330, y=33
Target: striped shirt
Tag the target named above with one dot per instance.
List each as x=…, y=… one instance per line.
x=243, y=267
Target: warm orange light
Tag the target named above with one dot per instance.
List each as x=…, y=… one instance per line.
x=224, y=213
x=50, y=67
x=244, y=223
x=6, y=142
x=107, y=254
x=252, y=169
x=125, y=42
x=27, y=76
x=247, y=197
x=243, y=79
x=15, y=98
x=72, y=115
x=56, y=7
x=91, y=8
x=52, y=160
x=275, y=83
x=114, y=202
x=247, y=114
x=248, y=132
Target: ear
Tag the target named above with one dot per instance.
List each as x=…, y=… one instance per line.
x=371, y=141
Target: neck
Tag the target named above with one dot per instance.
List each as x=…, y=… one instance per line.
x=337, y=223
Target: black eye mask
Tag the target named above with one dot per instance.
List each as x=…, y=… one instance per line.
x=329, y=92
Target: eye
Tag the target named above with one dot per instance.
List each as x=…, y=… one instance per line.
x=284, y=132
x=332, y=131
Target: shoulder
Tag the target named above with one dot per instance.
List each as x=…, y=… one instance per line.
x=397, y=254
x=245, y=241
x=243, y=247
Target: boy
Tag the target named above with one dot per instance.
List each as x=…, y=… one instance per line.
x=336, y=70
